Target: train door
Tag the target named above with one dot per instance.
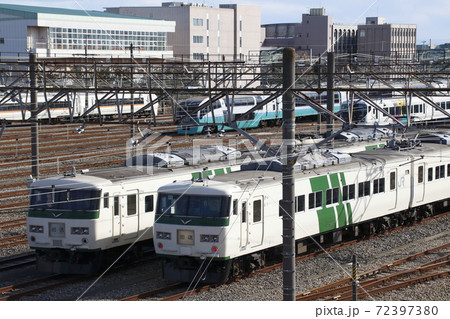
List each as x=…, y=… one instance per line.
x=418, y=185
x=116, y=217
x=244, y=224
x=130, y=214
x=256, y=221
x=393, y=189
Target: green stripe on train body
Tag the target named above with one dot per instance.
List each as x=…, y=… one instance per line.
x=336, y=215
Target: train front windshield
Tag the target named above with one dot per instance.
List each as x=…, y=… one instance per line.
x=193, y=205
x=65, y=199
x=359, y=111
x=187, y=107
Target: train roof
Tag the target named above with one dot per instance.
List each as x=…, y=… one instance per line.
x=368, y=158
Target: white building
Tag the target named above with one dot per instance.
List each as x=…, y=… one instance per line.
x=53, y=32
x=230, y=32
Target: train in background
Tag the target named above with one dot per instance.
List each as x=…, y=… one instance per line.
x=79, y=222
x=208, y=231
x=414, y=110
x=17, y=108
x=270, y=114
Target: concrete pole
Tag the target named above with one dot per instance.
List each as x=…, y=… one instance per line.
x=287, y=202
x=34, y=122
x=330, y=91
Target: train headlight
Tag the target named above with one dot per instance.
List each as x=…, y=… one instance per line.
x=209, y=238
x=36, y=229
x=163, y=235
x=79, y=230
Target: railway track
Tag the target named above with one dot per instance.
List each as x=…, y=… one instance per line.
x=391, y=276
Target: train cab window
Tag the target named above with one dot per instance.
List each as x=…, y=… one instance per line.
x=420, y=174
x=332, y=196
x=430, y=174
x=315, y=200
x=235, y=207
x=131, y=204
x=300, y=203
x=392, y=181
x=116, y=206
x=378, y=186
x=348, y=192
x=257, y=211
x=106, y=200
x=149, y=203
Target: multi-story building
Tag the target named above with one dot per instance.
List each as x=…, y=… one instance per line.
x=56, y=33
x=393, y=42
x=230, y=32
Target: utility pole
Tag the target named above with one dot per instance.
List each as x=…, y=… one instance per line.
x=330, y=92
x=287, y=202
x=34, y=122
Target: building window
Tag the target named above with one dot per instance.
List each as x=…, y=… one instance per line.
x=2, y=40
x=362, y=33
x=197, y=22
x=198, y=56
x=198, y=39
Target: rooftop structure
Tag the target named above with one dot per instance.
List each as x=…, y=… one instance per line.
x=53, y=32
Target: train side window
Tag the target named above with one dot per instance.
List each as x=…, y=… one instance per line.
x=315, y=200
x=448, y=169
x=244, y=212
x=378, y=186
x=392, y=181
x=149, y=203
x=364, y=189
x=300, y=203
x=235, y=207
x=257, y=211
x=106, y=200
x=430, y=174
x=332, y=196
x=440, y=171
x=420, y=174
x=131, y=204
x=116, y=205
x=348, y=192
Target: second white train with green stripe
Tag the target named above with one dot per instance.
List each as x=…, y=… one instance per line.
x=213, y=229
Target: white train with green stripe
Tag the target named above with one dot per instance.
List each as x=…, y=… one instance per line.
x=211, y=230
x=80, y=222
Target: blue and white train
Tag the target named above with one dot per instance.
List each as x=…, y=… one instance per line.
x=414, y=110
x=217, y=114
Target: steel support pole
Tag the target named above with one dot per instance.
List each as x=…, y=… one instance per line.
x=34, y=122
x=287, y=202
x=354, y=278
x=330, y=91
